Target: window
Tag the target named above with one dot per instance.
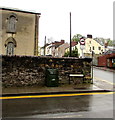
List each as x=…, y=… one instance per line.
x=11, y=23
x=10, y=49
x=90, y=49
x=10, y=44
x=93, y=48
x=99, y=48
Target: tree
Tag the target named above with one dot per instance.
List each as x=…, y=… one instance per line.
x=77, y=37
x=50, y=40
x=110, y=42
x=74, y=53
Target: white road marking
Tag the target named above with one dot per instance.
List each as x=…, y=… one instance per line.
x=104, y=80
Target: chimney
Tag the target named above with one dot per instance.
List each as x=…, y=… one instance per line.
x=89, y=36
x=62, y=41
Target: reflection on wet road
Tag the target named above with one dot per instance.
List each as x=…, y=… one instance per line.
x=36, y=107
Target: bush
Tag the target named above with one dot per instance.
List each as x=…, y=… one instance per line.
x=74, y=53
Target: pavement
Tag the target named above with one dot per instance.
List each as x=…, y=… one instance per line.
x=79, y=88
x=105, y=69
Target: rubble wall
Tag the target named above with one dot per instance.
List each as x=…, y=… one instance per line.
x=29, y=71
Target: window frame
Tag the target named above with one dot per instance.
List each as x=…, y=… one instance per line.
x=93, y=48
x=11, y=23
x=10, y=48
x=99, y=48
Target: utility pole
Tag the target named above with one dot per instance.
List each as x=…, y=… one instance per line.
x=70, y=35
x=92, y=65
x=45, y=46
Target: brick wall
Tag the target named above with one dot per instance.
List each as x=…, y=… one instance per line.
x=30, y=71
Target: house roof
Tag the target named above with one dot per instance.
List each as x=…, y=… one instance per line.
x=110, y=52
x=54, y=46
x=64, y=45
x=17, y=10
x=45, y=45
x=101, y=43
x=73, y=43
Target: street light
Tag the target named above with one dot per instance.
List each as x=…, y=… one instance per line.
x=70, y=35
x=45, y=46
x=92, y=65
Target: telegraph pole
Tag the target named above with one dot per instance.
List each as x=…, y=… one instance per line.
x=92, y=65
x=45, y=46
x=70, y=35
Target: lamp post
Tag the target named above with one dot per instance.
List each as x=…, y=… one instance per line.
x=45, y=46
x=92, y=65
x=70, y=35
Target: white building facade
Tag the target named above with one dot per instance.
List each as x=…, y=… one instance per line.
x=90, y=45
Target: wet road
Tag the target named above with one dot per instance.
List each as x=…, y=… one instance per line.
x=104, y=79
x=104, y=75
x=95, y=105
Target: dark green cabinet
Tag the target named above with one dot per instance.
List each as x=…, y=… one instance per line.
x=51, y=79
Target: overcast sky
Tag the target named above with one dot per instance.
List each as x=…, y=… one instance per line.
x=88, y=17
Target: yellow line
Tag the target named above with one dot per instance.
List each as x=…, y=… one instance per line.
x=104, y=80
x=56, y=95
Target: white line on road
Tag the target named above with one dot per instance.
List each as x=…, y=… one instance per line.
x=104, y=80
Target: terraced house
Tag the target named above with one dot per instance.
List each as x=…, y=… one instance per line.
x=19, y=32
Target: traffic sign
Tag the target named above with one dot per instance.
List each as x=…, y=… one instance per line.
x=82, y=41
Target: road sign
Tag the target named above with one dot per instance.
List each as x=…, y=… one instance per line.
x=82, y=41
x=82, y=45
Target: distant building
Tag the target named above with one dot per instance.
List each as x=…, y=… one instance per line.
x=110, y=48
x=20, y=31
x=107, y=59
x=51, y=49
x=91, y=45
x=60, y=50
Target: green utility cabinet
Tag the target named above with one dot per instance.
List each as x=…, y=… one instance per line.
x=51, y=78
x=113, y=62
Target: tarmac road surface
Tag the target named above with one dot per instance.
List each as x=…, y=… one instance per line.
x=104, y=75
x=94, y=105
x=104, y=79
